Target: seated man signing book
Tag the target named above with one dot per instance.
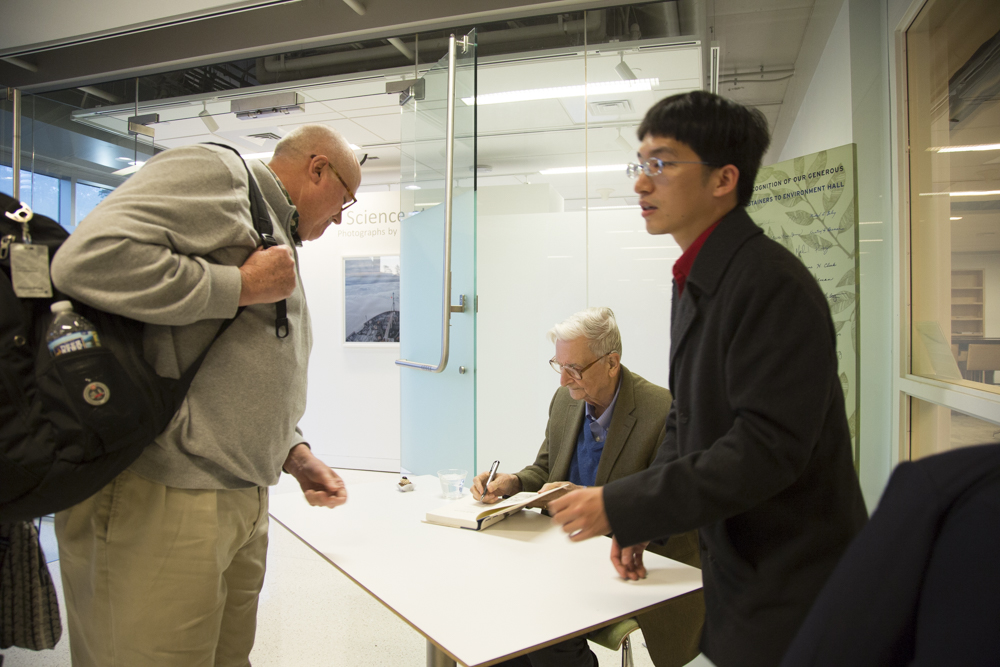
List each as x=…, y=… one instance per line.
x=605, y=422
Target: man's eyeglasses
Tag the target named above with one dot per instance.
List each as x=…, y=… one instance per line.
x=654, y=166
x=573, y=371
x=354, y=200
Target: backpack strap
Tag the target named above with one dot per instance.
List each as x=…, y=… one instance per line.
x=264, y=228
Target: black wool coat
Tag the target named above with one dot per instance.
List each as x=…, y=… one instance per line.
x=919, y=586
x=757, y=448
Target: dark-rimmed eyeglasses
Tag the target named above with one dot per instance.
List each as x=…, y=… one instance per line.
x=354, y=200
x=573, y=371
x=654, y=166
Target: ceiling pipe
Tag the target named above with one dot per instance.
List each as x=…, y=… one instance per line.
x=402, y=48
x=18, y=62
x=104, y=95
x=594, y=24
x=356, y=6
x=746, y=76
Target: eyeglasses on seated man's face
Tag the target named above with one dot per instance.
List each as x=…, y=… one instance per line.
x=573, y=371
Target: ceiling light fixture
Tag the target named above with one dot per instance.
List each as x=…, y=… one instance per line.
x=264, y=106
x=954, y=218
x=210, y=124
x=625, y=72
x=257, y=156
x=623, y=143
x=597, y=88
x=579, y=170
x=413, y=186
x=963, y=193
x=965, y=149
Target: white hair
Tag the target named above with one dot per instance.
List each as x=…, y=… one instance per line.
x=596, y=324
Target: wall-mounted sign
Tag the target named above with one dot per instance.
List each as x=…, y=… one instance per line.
x=809, y=205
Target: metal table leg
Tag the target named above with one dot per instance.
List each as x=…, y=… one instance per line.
x=436, y=657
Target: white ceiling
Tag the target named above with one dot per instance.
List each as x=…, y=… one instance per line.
x=516, y=140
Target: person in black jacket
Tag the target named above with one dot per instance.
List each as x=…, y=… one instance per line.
x=757, y=449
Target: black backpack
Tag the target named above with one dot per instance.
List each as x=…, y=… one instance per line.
x=56, y=448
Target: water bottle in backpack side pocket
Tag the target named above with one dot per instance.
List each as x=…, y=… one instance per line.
x=69, y=331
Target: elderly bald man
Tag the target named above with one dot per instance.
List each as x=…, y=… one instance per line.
x=164, y=566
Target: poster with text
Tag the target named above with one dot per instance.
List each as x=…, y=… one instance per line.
x=809, y=205
x=371, y=299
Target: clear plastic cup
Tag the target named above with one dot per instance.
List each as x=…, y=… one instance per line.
x=452, y=482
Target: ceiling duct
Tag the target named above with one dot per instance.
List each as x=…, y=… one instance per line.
x=611, y=108
x=264, y=106
x=269, y=68
x=976, y=82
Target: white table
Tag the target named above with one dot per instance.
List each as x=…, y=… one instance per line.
x=448, y=583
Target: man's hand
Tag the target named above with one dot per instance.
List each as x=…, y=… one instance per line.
x=320, y=484
x=268, y=276
x=503, y=484
x=553, y=485
x=581, y=513
x=628, y=560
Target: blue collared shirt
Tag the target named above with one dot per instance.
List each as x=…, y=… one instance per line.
x=590, y=443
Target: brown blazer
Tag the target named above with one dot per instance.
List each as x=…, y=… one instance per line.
x=672, y=632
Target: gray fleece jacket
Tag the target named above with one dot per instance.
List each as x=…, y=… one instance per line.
x=165, y=248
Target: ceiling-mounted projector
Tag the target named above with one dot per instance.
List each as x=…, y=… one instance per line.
x=263, y=106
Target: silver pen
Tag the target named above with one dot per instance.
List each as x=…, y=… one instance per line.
x=493, y=472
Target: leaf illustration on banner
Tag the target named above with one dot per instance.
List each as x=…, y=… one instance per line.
x=818, y=165
x=832, y=195
x=847, y=219
x=845, y=384
x=764, y=174
x=815, y=242
x=848, y=279
x=838, y=325
x=786, y=240
x=840, y=301
x=800, y=166
x=852, y=423
x=800, y=218
x=810, y=241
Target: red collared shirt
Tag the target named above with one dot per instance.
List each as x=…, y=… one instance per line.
x=682, y=267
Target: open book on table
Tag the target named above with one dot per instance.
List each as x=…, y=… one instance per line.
x=469, y=513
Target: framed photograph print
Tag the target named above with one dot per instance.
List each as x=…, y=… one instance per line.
x=371, y=300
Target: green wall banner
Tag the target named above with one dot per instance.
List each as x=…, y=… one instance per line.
x=809, y=205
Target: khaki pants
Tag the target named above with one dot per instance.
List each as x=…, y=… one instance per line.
x=163, y=577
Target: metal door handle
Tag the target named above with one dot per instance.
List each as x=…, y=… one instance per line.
x=446, y=308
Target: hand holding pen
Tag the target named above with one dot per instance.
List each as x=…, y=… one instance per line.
x=493, y=485
x=493, y=472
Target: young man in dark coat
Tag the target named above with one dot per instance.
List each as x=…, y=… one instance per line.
x=757, y=449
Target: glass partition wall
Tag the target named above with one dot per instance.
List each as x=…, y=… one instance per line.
x=557, y=228
x=66, y=168
x=952, y=75
x=559, y=224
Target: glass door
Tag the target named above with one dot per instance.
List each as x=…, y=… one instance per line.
x=438, y=266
